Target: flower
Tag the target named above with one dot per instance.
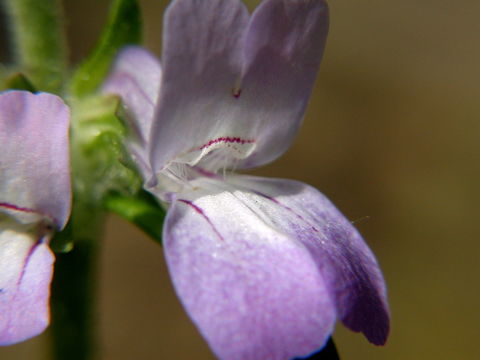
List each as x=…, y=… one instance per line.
x=34, y=199
x=264, y=267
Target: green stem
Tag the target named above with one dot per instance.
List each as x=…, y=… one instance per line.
x=39, y=41
x=74, y=287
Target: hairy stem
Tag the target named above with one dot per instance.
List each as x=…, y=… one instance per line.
x=39, y=41
x=73, y=331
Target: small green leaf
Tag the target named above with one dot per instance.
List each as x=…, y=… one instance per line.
x=18, y=81
x=142, y=210
x=123, y=28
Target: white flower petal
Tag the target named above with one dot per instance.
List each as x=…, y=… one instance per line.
x=254, y=292
x=26, y=273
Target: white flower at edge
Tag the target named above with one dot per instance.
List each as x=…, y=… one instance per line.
x=35, y=199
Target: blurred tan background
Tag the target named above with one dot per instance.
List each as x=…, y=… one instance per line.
x=391, y=136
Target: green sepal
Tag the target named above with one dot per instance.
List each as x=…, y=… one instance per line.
x=142, y=210
x=123, y=28
x=100, y=161
x=18, y=81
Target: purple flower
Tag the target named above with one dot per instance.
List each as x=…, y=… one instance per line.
x=34, y=199
x=264, y=267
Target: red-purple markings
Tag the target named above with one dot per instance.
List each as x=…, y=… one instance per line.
x=206, y=173
x=32, y=249
x=27, y=259
x=202, y=213
x=17, y=208
x=288, y=208
x=236, y=92
x=25, y=210
x=227, y=140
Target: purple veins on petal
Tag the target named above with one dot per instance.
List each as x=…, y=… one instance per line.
x=202, y=213
x=27, y=268
x=233, y=93
x=35, y=197
x=16, y=208
x=351, y=269
x=41, y=181
x=244, y=292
